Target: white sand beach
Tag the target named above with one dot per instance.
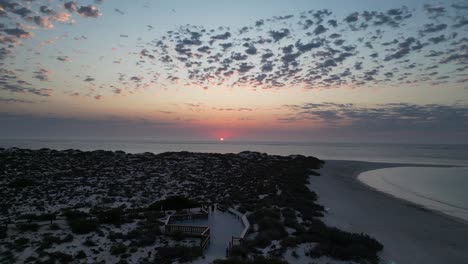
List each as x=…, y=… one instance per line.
x=409, y=233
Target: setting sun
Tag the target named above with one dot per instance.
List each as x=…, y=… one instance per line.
x=221, y=139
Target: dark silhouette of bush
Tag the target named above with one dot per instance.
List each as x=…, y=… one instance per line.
x=174, y=203
x=48, y=240
x=54, y=226
x=45, y=217
x=273, y=213
x=3, y=232
x=21, y=183
x=111, y=216
x=182, y=253
x=60, y=257
x=89, y=243
x=118, y=249
x=347, y=246
x=83, y=226
x=27, y=227
x=80, y=255
x=239, y=251
x=145, y=234
x=74, y=214
x=256, y=260
x=21, y=242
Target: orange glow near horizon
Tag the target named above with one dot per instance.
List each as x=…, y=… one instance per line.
x=221, y=139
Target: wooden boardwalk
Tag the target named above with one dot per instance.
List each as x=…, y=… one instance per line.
x=203, y=232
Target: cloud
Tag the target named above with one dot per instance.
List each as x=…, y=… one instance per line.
x=431, y=28
x=61, y=17
x=18, y=32
x=89, y=11
x=244, y=67
x=71, y=6
x=302, y=54
x=119, y=11
x=319, y=30
x=17, y=88
x=4, y=52
x=52, y=125
x=434, y=11
x=13, y=100
x=390, y=116
x=461, y=22
x=43, y=22
x=43, y=74
x=280, y=34
x=22, y=11
x=64, y=58
x=223, y=36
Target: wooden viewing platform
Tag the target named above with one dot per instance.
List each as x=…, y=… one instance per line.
x=202, y=232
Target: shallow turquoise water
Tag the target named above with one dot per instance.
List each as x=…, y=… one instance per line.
x=441, y=189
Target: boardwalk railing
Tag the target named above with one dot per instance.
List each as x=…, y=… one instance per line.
x=189, y=230
x=203, y=214
x=237, y=241
x=198, y=231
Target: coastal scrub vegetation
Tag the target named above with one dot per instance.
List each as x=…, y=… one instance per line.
x=115, y=204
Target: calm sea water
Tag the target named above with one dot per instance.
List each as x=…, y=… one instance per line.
x=441, y=189
x=404, y=153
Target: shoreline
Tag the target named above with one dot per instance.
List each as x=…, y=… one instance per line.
x=407, y=230
x=426, y=200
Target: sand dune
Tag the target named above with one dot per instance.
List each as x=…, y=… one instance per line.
x=410, y=234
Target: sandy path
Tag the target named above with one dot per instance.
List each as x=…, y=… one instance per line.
x=409, y=233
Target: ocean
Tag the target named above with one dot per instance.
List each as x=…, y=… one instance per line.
x=444, y=154
x=441, y=189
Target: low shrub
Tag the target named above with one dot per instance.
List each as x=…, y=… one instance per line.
x=118, y=249
x=60, y=257
x=21, y=183
x=112, y=216
x=347, y=246
x=83, y=226
x=80, y=255
x=28, y=227
x=182, y=253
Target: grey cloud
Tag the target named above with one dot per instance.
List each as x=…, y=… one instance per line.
x=223, y=36
x=434, y=11
x=244, y=67
x=89, y=11
x=430, y=28
x=22, y=11
x=13, y=100
x=391, y=116
x=17, y=32
x=320, y=29
x=71, y=6
x=278, y=35
x=438, y=39
x=43, y=74
x=251, y=50
x=304, y=54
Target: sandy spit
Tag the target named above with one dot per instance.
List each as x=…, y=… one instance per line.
x=409, y=233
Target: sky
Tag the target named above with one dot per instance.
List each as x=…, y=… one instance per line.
x=299, y=70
